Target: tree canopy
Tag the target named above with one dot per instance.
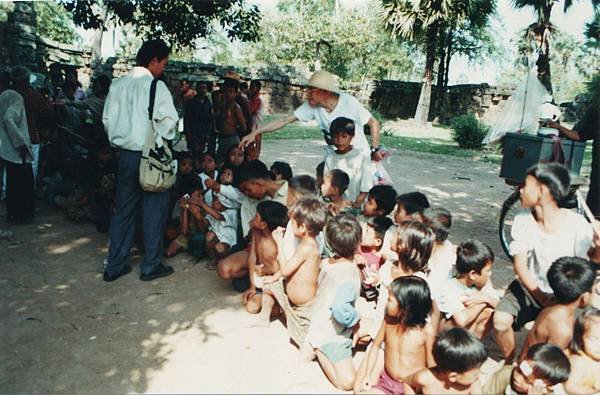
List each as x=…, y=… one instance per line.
x=180, y=22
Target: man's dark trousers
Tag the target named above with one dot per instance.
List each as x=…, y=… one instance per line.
x=122, y=227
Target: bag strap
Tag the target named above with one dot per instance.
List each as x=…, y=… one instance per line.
x=152, y=98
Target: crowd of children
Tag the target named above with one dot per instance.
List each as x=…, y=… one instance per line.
x=351, y=265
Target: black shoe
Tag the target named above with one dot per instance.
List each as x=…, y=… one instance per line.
x=160, y=271
x=108, y=278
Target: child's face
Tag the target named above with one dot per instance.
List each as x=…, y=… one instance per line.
x=369, y=237
x=254, y=189
x=230, y=94
x=257, y=222
x=591, y=338
x=400, y=215
x=392, y=307
x=186, y=166
x=226, y=177
x=328, y=190
x=236, y=156
x=480, y=279
x=370, y=209
x=465, y=379
x=197, y=194
x=217, y=205
x=252, y=90
x=530, y=192
x=522, y=383
x=208, y=164
x=342, y=141
x=251, y=152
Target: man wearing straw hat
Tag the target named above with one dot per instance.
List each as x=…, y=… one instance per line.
x=326, y=103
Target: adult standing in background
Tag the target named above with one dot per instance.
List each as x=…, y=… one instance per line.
x=37, y=109
x=16, y=153
x=326, y=103
x=127, y=123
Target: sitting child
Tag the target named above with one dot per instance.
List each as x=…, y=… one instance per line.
x=295, y=283
x=222, y=217
x=542, y=234
x=281, y=171
x=543, y=371
x=409, y=207
x=380, y=201
x=407, y=336
x=585, y=354
x=227, y=176
x=462, y=300
x=458, y=358
x=234, y=156
x=373, y=232
x=209, y=170
x=335, y=183
x=262, y=260
x=190, y=222
x=571, y=280
x=353, y=161
x=334, y=318
x=443, y=257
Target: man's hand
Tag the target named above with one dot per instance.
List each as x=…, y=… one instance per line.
x=376, y=156
x=250, y=292
x=248, y=139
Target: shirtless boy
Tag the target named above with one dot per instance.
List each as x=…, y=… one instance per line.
x=262, y=260
x=458, y=356
x=230, y=119
x=308, y=217
x=572, y=280
x=407, y=336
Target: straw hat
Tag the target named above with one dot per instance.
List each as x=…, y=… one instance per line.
x=232, y=75
x=324, y=80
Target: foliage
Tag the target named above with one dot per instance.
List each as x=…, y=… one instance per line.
x=592, y=31
x=55, y=23
x=180, y=22
x=5, y=9
x=347, y=42
x=468, y=131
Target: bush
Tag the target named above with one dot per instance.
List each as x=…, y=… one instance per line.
x=468, y=131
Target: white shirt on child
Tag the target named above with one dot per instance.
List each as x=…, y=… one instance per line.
x=574, y=238
x=208, y=196
x=359, y=169
x=323, y=327
x=349, y=107
x=441, y=268
x=225, y=229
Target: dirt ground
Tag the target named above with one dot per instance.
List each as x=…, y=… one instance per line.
x=64, y=330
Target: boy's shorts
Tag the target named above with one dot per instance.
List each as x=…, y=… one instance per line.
x=518, y=302
x=337, y=352
x=388, y=385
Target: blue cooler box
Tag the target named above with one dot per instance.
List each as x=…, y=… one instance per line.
x=521, y=151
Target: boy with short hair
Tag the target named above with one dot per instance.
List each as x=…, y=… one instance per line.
x=458, y=356
x=230, y=118
x=540, y=236
x=263, y=257
x=335, y=183
x=373, y=232
x=542, y=371
x=571, y=280
x=381, y=201
x=353, y=161
x=294, y=285
x=462, y=300
x=335, y=320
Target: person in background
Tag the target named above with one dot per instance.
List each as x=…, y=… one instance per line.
x=257, y=109
x=199, y=122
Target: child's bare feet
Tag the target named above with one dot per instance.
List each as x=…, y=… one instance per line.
x=211, y=264
x=173, y=250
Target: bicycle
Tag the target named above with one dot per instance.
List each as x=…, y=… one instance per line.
x=512, y=206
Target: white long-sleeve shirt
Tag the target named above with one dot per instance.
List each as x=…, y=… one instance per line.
x=125, y=115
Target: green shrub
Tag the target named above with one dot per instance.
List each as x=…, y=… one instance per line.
x=468, y=131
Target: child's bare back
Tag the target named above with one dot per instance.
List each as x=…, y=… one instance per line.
x=553, y=325
x=406, y=350
x=301, y=285
x=266, y=255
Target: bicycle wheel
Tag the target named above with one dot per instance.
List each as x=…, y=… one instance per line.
x=510, y=208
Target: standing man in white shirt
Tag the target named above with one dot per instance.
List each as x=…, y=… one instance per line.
x=126, y=120
x=326, y=103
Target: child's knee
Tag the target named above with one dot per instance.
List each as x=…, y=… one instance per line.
x=221, y=249
x=345, y=380
x=224, y=270
x=253, y=306
x=502, y=321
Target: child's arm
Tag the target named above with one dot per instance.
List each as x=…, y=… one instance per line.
x=251, y=269
x=464, y=318
x=289, y=267
x=183, y=227
x=527, y=279
x=360, y=199
x=210, y=211
x=372, y=356
x=239, y=116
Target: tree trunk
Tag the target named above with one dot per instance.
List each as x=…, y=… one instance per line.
x=96, y=48
x=440, y=70
x=422, y=112
x=541, y=33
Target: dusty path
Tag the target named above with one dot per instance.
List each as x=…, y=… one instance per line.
x=64, y=330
